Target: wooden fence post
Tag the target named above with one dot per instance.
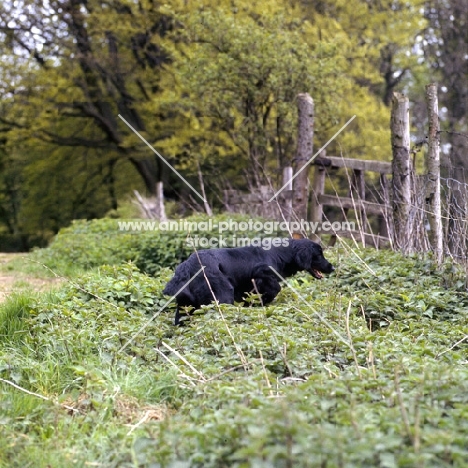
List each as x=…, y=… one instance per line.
x=287, y=192
x=305, y=147
x=433, y=206
x=385, y=225
x=360, y=186
x=318, y=188
x=401, y=166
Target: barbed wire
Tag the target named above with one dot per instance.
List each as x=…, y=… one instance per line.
x=464, y=135
x=451, y=179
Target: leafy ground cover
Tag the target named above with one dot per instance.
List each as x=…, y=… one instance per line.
x=366, y=368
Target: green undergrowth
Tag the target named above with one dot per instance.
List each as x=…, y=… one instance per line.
x=147, y=243
x=366, y=368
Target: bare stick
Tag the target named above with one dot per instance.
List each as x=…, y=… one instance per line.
x=453, y=346
x=176, y=366
x=184, y=360
x=350, y=338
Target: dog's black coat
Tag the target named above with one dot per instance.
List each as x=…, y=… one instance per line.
x=231, y=272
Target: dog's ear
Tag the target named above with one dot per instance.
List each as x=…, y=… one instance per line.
x=306, y=252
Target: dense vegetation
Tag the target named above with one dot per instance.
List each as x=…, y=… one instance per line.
x=366, y=368
x=212, y=85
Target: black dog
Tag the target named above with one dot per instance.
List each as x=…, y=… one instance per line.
x=230, y=274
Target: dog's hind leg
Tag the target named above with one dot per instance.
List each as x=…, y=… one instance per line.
x=268, y=288
x=184, y=299
x=179, y=316
x=266, y=283
x=204, y=291
x=213, y=287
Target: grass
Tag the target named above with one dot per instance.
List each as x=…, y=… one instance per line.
x=366, y=368
x=24, y=265
x=12, y=315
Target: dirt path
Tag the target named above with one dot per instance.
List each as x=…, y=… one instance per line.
x=19, y=281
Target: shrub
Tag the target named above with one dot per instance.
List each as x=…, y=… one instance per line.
x=303, y=382
x=88, y=244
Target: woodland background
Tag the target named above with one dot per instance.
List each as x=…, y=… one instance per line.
x=212, y=85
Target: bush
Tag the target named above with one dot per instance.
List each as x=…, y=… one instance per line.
x=302, y=382
x=88, y=244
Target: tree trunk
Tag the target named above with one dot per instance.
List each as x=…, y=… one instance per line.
x=148, y=172
x=401, y=164
x=433, y=207
x=305, y=147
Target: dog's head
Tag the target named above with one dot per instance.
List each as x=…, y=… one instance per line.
x=308, y=256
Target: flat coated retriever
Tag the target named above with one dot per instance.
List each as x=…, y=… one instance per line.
x=230, y=274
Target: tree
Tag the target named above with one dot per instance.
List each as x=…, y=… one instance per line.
x=382, y=36
x=243, y=76
x=211, y=83
x=89, y=61
x=243, y=72
x=43, y=185
x=446, y=46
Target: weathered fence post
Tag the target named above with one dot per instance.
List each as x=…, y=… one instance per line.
x=385, y=224
x=305, y=147
x=287, y=192
x=401, y=167
x=360, y=185
x=433, y=206
x=152, y=208
x=318, y=188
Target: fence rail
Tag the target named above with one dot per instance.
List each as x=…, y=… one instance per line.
x=414, y=213
x=381, y=167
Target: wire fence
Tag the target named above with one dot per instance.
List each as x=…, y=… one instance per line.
x=454, y=204
x=372, y=229
x=454, y=195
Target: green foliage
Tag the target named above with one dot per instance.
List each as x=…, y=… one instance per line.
x=376, y=39
x=75, y=158
x=88, y=244
x=98, y=306
x=302, y=382
x=399, y=288
x=211, y=84
x=12, y=314
x=244, y=75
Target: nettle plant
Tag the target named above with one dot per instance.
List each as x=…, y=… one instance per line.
x=364, y=368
